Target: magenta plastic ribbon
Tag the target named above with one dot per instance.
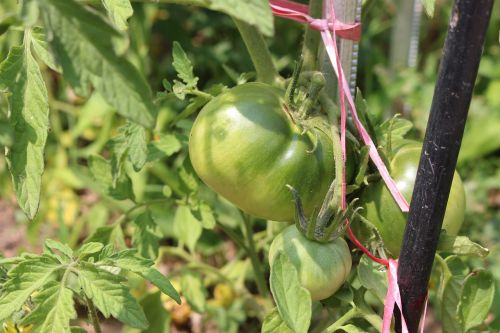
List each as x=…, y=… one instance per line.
x=392, y=297
x=299, y=13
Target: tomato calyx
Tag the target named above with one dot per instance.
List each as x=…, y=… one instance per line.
x=328, y=223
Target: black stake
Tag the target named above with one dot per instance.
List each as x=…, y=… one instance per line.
x=450, y=105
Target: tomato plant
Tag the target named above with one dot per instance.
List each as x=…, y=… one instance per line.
x=380, y=209
x=246, y=145
x=322, y=267
x=147, y=147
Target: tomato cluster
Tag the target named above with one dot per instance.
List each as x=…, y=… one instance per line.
x=247, y=145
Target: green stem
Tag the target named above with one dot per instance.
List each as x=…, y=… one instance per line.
x=234, y=236
x=259, y=53
x=252, y=253
x=200, y=93
x=94, y=319
x=312, y=38
x=337, y=148
x=342, y=320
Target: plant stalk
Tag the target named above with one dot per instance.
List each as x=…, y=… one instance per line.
x=94, y=319
x=259, y=53
x=342, y=320
x=312, y=38
x=252, y=253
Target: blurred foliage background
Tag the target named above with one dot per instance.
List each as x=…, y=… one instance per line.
x=73, y=206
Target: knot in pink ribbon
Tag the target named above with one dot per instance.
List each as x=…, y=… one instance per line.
x=299, y=13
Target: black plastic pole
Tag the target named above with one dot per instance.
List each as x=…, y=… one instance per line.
x=445, y=127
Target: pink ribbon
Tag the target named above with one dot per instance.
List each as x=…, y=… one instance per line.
x=299, y=13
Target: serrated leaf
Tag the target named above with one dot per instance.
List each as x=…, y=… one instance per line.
x=102, y=172
x=449, y=305
x=194, y=290
x=146, y=237
x=127, y=260
x=82, y=42
x=273, y=323
x=460, y=245
x=29, y=110
x=89, y=248
x=54, y=310
x=24, y=279
x=186, y=227
x=293, y=301
x=183, y=66
x=119, y=12
x=130, y=144
x=110, y=296
x=42, y=49
x=476, y=299
x=166, y=145
x=62, y=248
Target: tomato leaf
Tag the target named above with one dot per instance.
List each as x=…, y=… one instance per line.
x=253, y=12
x=130, y=144
x=460, y=245
x=110, y=296
x=42, y=49
x=183, y=66
x=449, y=305
x=83, y=44
x=24, y=279
x=166, y=145
x=127, y=259
x=54, y=310
x=51, y=245
x=476, y=299
x=101, y=170
x=147, y=236
x=29, y=110
x=194, y=290
x=119, y=12
x=273, y=323
x=293, y=301
x=186, y=227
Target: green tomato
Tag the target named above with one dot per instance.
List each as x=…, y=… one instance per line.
x=383, y=212
x=322, y=267
x=245, y=145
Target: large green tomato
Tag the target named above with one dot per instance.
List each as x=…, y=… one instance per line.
x=322, y=268
x=245, y=145
x=381, y=209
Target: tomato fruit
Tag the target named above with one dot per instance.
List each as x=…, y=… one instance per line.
x=246, y=146
x=322, y=267
x=382, y=211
